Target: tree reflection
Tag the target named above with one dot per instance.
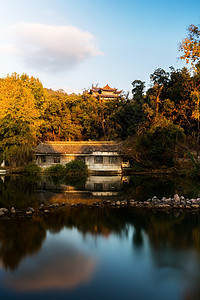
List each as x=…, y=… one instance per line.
x=18, y=191
x=19, y=238
x=22, y=237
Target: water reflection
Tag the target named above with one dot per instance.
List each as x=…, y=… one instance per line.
x=121, y=249
x=51, y=253
x=20, y=238
x=20, y=191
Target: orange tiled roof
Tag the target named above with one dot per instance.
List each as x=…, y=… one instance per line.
x=107, y=87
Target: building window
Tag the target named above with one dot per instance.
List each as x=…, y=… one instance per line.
x=43, y=159
x=81, y=158
x=98, y=159
x=56, y=159
x=113, y=186
x=98, y=186
x=112, y=159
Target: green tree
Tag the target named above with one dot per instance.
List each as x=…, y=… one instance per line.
x=156, y=146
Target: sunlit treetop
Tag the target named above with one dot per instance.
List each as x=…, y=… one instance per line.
x=190, y=46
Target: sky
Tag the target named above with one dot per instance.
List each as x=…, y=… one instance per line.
x=72, y=44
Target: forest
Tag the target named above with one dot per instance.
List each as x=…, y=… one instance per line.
x=152, y=122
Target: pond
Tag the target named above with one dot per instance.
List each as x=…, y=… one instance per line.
x=98, y=253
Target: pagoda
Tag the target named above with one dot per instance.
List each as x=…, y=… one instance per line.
x=104, y=94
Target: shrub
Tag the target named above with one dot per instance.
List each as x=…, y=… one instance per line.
x=32, y=169
x=56, y=170
x=76, y=167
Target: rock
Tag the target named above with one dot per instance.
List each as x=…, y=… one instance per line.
x=193, y=200
x=2, y=213
x=13, y=211
x=3, y=209
x=195, y=205
x=29, y=212
x=30, y=209
x=163, y=206
x=176, y=198
x=124, y=202
x=182, y=198
x=118, y=203
x=168, y=199
x=46, y=211
x=166, y=206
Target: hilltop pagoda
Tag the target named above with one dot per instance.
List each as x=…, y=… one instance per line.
x=104, y=94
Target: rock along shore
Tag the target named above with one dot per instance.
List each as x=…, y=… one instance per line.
x=177, y=203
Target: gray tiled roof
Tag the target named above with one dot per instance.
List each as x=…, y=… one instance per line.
x=77, y=147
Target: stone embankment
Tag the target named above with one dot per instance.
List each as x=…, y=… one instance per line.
x=166, y=204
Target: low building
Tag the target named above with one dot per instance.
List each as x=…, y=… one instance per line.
x=104, y=94
x=98, y=156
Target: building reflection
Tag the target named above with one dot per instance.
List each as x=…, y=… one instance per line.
x=92, y=189
x=104, y=185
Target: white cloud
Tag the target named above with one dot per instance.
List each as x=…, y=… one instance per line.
x=49, y=48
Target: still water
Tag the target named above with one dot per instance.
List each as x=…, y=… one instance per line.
x=98, y=253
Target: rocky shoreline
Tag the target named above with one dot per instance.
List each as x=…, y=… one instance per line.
x=177, y=203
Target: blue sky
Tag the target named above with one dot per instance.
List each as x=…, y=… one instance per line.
x=71, y=45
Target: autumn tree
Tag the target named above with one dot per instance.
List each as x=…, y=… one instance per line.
x=19, y=119
x=190, y=46
x=190, y=53
x=57, y=120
